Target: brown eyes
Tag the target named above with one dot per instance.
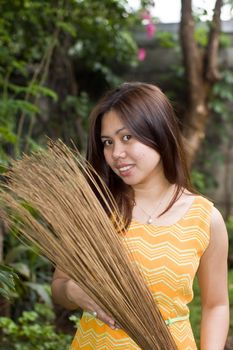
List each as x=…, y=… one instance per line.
x=126, y=137
x=109, y=142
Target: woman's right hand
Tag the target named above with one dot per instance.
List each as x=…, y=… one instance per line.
x=77, y=296
x=68, y=294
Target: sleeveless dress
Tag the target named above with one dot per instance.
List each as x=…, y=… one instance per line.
x=169, y=257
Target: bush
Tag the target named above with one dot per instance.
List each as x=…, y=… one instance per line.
x=33, y=330
x=229, y=225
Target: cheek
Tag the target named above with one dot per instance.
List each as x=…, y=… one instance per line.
x=142, y=152
x=141, y=155
x=147, y=154
x=137, y=151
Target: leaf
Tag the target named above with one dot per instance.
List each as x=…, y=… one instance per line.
x=22, y=269
x=67, y=27
x=7, y=135
x=26, y=106
x=14, y=105
x=38, y=89
x=15, y=252
x=4, y=293
x=3, y=167
x=7, y=283
x=41, y=290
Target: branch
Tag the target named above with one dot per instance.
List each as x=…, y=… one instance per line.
x=212, y=73
x=191, y=54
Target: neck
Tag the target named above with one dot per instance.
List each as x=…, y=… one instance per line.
x=150, y=203
x=150, y=191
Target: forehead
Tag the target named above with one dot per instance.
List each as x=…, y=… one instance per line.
x=111, y=122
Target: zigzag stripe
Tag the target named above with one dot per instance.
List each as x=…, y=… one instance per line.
x=171, y=306
x=180, y=233
x=160, y=253
x=103, y=341
x=151, y=246
x=170, y=278
x=187, y=237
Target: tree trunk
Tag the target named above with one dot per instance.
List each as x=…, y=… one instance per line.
x=201, y=70
x=66, y=124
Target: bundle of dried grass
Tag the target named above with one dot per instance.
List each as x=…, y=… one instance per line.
x=72, y=230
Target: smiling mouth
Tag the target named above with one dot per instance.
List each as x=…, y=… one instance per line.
x=125, y=168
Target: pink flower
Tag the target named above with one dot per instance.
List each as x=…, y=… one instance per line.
x=141, y=54
x=150, y=29
x=146, y=15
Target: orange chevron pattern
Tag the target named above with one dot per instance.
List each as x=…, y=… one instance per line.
x=169, y=257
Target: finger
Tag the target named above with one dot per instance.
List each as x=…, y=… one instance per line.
x=105, y=318
x=117, y=326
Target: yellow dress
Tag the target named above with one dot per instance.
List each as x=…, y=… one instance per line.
x=169, y=258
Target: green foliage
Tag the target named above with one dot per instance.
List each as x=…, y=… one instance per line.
x=166, y=40
x=201, y=36
x=222, y=95
x=231, y=300
x=34, y=273
x=195, y=312
x=7, y=281
x=32, y=330
x=198, y=181
x=76, y=319
x=221, y=99
x=79, y=108
x=90, y=34
x=229, y=225
x=219, y=131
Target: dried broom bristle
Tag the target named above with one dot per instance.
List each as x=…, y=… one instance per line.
x=73, y=231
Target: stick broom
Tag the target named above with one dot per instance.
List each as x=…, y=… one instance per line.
x=73, y=231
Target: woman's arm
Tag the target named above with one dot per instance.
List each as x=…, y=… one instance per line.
x=68, y=294
x=212, y=276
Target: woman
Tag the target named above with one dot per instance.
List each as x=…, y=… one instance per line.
x=136, y=147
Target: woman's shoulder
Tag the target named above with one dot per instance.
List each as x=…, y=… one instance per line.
x=208, y=210
x=195, y=207
x=218, y=233
x=197, y=199
x=217, y=221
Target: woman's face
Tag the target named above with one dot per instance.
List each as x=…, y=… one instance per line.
x=134, y=162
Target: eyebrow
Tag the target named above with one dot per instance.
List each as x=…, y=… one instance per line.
x=116, y=132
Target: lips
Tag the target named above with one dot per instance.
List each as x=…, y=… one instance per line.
x=124, y=169
x=122, y=165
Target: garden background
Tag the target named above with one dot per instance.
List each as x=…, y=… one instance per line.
x=56, y=59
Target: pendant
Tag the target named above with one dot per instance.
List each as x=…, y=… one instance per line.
x=149, y=221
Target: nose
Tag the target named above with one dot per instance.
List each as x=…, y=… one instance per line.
x=118, y=151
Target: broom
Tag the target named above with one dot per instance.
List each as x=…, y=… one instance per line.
x=50, y=200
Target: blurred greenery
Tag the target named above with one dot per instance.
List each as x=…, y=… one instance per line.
x=7, y=281
x=80, y=38
x=33, y=330
x=229, y=224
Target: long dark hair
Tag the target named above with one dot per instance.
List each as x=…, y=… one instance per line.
x=148, y=114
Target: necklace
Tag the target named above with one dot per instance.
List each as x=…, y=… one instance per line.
x=150, y=216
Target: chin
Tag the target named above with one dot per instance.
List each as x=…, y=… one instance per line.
x=130, y=182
